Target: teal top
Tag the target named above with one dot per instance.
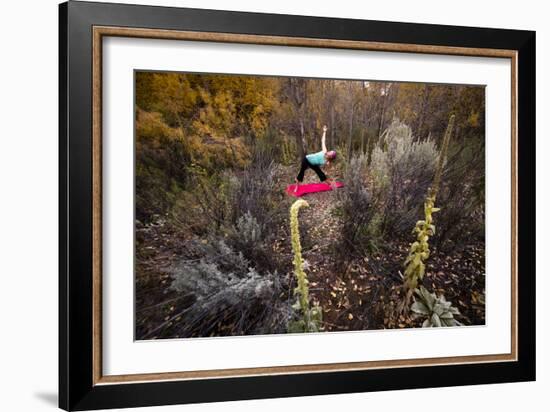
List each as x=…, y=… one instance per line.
x=316, y=159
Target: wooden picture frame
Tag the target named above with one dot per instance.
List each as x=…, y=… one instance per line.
x=82, y=27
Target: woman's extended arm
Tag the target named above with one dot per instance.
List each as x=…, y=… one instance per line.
x=323, y=144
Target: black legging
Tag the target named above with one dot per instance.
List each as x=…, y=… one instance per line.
x=315, y=168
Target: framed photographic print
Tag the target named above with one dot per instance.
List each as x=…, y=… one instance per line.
x=257, y=205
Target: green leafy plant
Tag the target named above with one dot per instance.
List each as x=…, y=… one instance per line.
x=311, y=317
x=437, y=311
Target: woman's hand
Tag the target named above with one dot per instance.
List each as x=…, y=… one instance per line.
x=325, y=128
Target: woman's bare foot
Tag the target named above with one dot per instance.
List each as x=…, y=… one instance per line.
x=297, y=185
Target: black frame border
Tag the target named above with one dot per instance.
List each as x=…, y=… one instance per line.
x=76, y=388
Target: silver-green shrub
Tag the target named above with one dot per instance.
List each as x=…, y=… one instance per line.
x=250, y=238
x=256, y=191
x=248, y=229
x=359, y=208
x=401, y=169
x=225, y=285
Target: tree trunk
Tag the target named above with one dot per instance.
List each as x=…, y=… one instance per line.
x=332, y=141
x=298, y=94
x=350, y=135
x=303, y=134
x=365, y=129
x=421, y=117
x=382, y=111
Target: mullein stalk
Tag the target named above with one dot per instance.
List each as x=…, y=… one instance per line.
x=442, y=156
x=419, y=251
x=310, y=317
x=302, y=290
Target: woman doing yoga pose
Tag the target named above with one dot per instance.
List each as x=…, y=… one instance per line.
x=314, y=161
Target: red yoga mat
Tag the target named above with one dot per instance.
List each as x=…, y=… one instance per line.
x=307, y=188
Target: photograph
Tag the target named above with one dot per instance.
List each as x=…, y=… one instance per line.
x=277, y=205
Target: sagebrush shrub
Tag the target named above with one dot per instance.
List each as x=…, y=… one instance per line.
x=253, y=241
x=359, y=207
x=401, y=169
x=256, y=191
x=249, y=230
x=239, y=205
x=227, y=289
x=462, y=220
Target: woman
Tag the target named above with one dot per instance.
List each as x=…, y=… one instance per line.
x=314, y=161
